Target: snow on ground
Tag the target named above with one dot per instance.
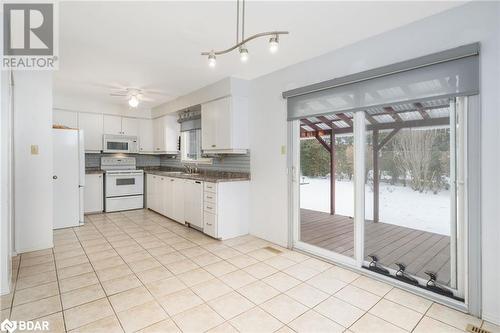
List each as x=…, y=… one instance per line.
x=399, y=205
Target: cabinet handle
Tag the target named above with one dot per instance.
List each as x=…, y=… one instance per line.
x=54, y=177
x=214, y=146
x=208, y=207
x=197, y=182
x=209, y=198
x=209, y=223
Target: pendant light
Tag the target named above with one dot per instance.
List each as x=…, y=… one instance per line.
x=241, y=45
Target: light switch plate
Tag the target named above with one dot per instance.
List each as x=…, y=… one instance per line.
x=283, y=150
x=34, y=149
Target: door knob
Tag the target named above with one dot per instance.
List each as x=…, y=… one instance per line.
x=54, y=177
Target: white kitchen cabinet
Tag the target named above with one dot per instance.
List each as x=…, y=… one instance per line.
x=168, y=188
x=193, y=203
x=177, y=214
x=224, y=126
x=65, y=118
x=92, y=126
x=146, y=144
x=166, y=131
x=226, y=209
x=130, y=126
x=93, y=193
x=112, y=124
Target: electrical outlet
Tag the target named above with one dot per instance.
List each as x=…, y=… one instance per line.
x=34, y=149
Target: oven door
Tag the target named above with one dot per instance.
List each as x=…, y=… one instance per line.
x=124, y=183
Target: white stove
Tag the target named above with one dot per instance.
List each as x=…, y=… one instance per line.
x=124, y=184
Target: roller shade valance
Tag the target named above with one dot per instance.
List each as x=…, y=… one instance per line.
x=446, y=74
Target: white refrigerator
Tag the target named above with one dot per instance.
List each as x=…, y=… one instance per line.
x=68, y=177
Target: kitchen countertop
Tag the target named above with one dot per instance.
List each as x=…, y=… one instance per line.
x=90, y=171
x=203, y=175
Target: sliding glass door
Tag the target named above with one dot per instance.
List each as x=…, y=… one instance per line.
x=383, y=188
x=327, y=184
x=411, y=225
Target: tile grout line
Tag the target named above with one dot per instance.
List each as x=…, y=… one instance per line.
x=100, y=283
x=59, y=288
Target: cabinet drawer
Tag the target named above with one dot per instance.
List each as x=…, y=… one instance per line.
x=210, y=197
x=210, y=207
x=211, y=187
x=210, y=224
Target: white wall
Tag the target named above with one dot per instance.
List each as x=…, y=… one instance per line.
x=225, y=87
x=6, y=185
x=77, y=103
x=33, y=173
x=477, y=21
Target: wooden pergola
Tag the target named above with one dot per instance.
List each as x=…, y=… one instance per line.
x=392, y=118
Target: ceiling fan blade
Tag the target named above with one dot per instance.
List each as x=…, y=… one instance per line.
x=118, y=94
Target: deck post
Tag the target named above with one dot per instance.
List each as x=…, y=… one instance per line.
x=332, y=173
x=376, y=177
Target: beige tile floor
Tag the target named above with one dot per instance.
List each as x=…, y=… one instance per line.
x=138, y=271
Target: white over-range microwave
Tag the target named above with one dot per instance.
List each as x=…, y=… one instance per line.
x=120, y=143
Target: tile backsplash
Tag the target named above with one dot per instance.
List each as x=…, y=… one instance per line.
x=94, y=160
x=235, y=163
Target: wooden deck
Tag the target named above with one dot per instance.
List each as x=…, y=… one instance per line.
x=419, y=250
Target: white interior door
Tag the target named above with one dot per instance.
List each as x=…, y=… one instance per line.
x=66, y=179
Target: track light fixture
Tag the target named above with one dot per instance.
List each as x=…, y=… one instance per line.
x=241, y=45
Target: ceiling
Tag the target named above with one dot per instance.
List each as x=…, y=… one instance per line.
x=156, y=45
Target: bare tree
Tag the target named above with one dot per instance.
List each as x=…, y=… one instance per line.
x=414, y=155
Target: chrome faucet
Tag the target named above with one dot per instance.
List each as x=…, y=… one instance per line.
x=191, y=169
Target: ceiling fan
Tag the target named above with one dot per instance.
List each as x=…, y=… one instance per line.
x=134, y=95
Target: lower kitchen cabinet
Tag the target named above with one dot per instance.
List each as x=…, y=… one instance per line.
x=93, y=193
x=226, y=209
x=220, y=210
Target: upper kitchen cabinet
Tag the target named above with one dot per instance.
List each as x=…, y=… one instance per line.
x=166, y=131
x=130, y=126
x=112, y=124
x=224, y=126
x=92, y=126
x=121, y=125
x=65, y=118
x=146, y=141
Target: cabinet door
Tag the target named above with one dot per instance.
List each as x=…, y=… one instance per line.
x=92, y=126
x=93, y=193
x=208, y=126
x=149, y=191
x=172, y=131
x=159, y=135
x=210, y=224
x=112, y=124
x=216, y=124
x=223, y=115
x=162, y=205
x=178, y=200
x=168, y=197
x=130, y=126
x=65, y=118
x=146, y=144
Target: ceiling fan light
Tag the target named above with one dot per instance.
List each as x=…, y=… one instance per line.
x=273, y=44
x=133, y=101
x=243, y=53
x=212, y=61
